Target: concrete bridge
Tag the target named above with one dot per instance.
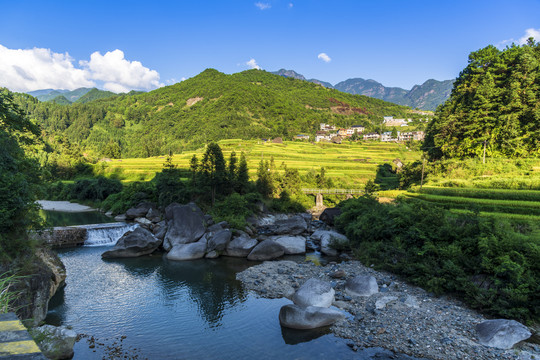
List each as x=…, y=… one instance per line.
x=319, y=194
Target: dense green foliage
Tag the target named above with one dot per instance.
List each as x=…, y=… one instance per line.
x=91, y=189
x=494, y=107
x=485, y=260
x=208, y=107
x=19, y=176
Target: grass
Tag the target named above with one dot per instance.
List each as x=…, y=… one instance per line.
x=350, y=165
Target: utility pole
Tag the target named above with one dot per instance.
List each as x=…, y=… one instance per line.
x=484, y=159
x=423, y=165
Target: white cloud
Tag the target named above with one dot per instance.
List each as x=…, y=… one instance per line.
x=34, y=69
x=38, y=68
x=534, y=33
x=252, y=63
x=263, y=6
x=119, y=74
x=324, y=57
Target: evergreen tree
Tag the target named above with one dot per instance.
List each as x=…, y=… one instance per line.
x=232, y=171
x=242, y=179
x=213, y=171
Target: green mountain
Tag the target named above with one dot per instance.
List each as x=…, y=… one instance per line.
x=61, y=100
x=293, y=74
x=210, y=106
x=94, y=94
x=374, y=89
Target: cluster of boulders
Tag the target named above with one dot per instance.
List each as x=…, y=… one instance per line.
x=186, y=233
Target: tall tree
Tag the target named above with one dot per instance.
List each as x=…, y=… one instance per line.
x=242, y=179
x=213, y=171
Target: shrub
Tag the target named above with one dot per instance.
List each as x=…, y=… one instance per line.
x=234, y=209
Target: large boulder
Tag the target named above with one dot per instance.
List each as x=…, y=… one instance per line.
x=154, y=215
x=241, y=246
x=185, y=224
x=314, y=292
x=291, y=244
x=328, y=239
x=361, y=285
x=133, y=243
x=295, y=225
x=139, y=211
x=311, y=317
x=329, y=215
x=189, y=251
x=501, y=334
x=55, y=342
x=219, y=240
x=266, y=250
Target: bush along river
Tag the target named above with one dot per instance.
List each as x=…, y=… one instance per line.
x=202, y=296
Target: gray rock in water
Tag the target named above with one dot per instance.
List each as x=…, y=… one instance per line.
x=241, y=246
x=266, y=250
x=139, y=211
x=295, y=225
x=291, y=244
x=189, y=251
x=134, y=243
x=329, y=215
x=362, y=285
x=121, y=217
x=160, y=229
x=328, y=239
x=219, y=240
x=212, y=255
x=185, y=224
x=55, y=342
x=154, y=215
x=501, y=334
x=311, y=317
x=314, y=292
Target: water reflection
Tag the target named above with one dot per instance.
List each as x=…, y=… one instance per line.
x=59, y=218
x=294, y=336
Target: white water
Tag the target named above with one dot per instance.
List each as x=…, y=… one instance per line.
x=106, y=234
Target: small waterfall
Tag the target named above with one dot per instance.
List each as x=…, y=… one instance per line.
x=106, y=234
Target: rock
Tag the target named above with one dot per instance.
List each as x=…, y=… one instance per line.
x=329, y=215
x=219, y=240
x=328, y=239
x=212, y=255
x=55, y=342
x=339, y=274
x=213, y=228
x=134, y=243
x=160, y=229
x=294, y=225
x=121, y=217
x=143, y=221
x=291, y=244
x=314, y=292
x=223, y=224
x=382, y=302
x=185, y=224
x=266, y=250
x=311, y=317
x=501, y=334
x=154, y=215
x=189, y=251
x=208, y=220
x=411, y=301
x=362, y=285
x=241, y=246
x=139, y=211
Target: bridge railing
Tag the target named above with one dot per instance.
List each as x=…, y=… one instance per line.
x=332, y=191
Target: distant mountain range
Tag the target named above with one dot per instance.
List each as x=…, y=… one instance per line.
x=426, y=96
x=65, y=97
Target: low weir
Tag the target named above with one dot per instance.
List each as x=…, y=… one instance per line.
x=87, y=235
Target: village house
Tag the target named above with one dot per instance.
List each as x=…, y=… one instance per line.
x=326, y=127
x=411, y=135
x=302, y=137
x=358, y=128
x=322, y=136
x=342, y=132
x=387, y=136
x=371, y=136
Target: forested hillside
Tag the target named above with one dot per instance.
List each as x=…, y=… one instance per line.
x=494, y=107
x=210, y=106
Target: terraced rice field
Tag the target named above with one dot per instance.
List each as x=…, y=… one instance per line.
x=501, y=203
x=349, y=164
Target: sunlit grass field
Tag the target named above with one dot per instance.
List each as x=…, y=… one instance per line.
x=350, y=165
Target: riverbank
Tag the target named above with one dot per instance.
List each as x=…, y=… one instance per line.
x=401, y=317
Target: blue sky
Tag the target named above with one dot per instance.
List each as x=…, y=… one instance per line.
x=123, y=45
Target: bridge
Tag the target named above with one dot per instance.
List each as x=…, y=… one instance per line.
x=319, y=193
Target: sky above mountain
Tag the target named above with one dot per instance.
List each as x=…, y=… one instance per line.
x=141, y=45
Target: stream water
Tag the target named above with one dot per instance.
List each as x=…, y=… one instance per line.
x=151, y=308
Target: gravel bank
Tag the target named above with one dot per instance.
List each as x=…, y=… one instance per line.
x=401, y=317
x=65, y=206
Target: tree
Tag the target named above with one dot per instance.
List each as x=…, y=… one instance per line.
x=213, y=172
x=242, y=179
x=232, y=171
x=394, y=133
